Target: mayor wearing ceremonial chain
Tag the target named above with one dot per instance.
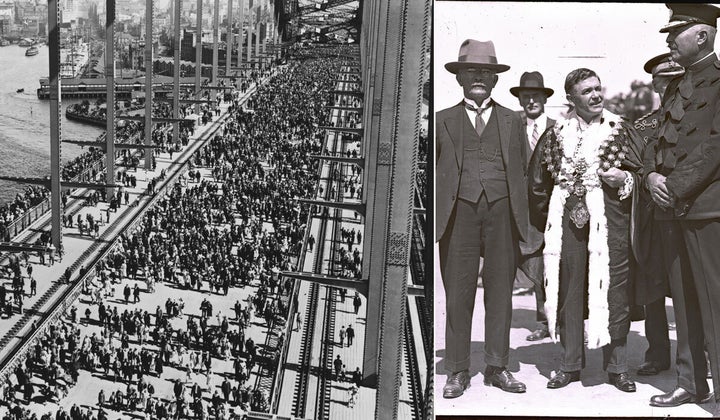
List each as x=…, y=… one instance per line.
x=581, y=178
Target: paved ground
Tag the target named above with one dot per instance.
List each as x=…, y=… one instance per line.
x=534, y=362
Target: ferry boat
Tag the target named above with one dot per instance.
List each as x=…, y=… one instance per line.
x=31, y=51
x=26, y=42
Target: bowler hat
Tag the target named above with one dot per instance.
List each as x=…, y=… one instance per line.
x=531, y=81
x=691, y=13
x=476, y=54
x=663, y=65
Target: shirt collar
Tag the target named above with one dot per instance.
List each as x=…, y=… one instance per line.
x=487, y=103
x=583, y=124
x=703, y=62
x=541, y=121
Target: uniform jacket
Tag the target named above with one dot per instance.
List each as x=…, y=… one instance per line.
x=688, y=148
x=452, y=127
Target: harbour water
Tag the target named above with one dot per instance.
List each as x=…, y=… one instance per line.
x=25, y=120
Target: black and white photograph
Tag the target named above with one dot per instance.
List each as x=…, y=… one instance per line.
x=215, y=209
x=576, y=209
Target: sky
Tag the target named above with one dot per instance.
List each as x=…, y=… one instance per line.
x=548, y=37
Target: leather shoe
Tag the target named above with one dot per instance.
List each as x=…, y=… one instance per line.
x=562, y=379
x=674, y=398
x=651, y=368
x=503, y=379
x=522, y=291
x=456, y=384
x=706, y=399
x=538, y=335
x=622, y=381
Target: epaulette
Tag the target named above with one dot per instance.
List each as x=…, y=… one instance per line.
x=644, y=116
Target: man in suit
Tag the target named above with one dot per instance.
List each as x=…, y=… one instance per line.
x=651, y=284
x=481, y=210
x=683, y=179
x=533, y=95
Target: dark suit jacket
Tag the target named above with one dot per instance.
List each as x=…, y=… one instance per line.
x=535, y=239
x=452, y=127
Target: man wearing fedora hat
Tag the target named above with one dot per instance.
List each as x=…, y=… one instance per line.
x=682, y=175
x=533, y=95
x=481, y=210
x=651, y=283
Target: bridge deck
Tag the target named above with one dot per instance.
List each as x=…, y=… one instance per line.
x=77, y=248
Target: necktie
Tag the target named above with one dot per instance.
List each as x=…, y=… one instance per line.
x=479, y=123
x=535, y=135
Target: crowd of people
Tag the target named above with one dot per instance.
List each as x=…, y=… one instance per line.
x=236, y=230
x=30, y=197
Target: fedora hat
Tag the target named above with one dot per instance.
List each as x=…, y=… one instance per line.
x=531, y=81
x=476, y=54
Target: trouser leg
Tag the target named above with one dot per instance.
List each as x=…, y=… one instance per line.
x=701, y=239
x=690, y=359
x=499, y=266
x=615, y=356
x=459, y=266
x=656, y=332
x=573, y=278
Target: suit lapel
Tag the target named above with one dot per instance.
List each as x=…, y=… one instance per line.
x=456, y=126
x=504, y=119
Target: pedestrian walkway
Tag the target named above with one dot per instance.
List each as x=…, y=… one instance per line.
x=80, y=249
x=534, y=362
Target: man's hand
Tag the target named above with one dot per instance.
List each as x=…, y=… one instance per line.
x=614, y=177
x=658, y=191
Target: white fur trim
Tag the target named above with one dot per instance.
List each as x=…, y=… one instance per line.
x=551, y=257
x=598, y=333
x=598, y=271
x=598, y=266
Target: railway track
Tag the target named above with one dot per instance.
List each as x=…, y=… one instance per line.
x=328, y=238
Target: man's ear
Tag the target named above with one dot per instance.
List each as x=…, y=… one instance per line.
x=702, y=37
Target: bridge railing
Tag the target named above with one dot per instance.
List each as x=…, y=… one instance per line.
x=17, y=226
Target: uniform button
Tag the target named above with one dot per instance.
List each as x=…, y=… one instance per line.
x=452, y=198
x=482, y=170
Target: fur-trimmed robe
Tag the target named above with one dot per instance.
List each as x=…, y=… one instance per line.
x=608, y=303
